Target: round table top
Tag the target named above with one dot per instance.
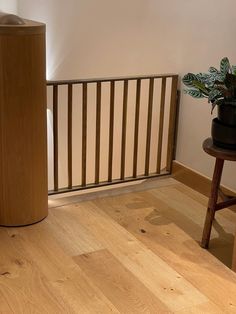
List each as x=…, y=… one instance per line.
x=218, y=152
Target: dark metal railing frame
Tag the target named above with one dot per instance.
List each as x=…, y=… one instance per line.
x=171, y=129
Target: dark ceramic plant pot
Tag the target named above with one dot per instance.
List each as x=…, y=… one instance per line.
x=223, y=129
x=227, y=113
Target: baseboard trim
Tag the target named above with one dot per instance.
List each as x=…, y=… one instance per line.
x=194, y=179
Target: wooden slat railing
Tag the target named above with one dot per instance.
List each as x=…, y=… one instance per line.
x=162, y=118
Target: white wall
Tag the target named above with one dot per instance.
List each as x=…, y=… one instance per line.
x=90, y=38
x=206, y=29
x=9, y=6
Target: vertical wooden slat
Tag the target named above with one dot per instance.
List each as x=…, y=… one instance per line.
x=176, y=123
x=149, y=125
x=98, y=132
x=69, y=140
x=84, y=133
x=111, y=130
x=55, y=136
x=161, y=124
x=136, y=127
x=172, y=118
x=124, y=126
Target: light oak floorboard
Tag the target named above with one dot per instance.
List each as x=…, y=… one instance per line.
x=167, y=285
x=118, y=284
x=158, y=220
x=64, y=280
x=23, y=287
x=136, y=252
x=209, y=308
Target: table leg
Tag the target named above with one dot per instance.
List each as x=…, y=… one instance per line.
x=212, y=202
x=234, y=255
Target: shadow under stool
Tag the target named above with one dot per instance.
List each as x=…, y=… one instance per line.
x=220, y=155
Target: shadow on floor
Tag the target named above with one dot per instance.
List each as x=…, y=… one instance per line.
x=222, y=247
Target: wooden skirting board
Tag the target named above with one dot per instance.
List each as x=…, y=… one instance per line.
x=195, y=180
x=202, y=184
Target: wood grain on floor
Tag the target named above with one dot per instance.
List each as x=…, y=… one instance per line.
x=135, y=252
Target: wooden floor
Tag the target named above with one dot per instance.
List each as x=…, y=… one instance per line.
x=135, y=252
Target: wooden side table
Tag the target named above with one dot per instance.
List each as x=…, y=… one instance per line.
x=221, y=155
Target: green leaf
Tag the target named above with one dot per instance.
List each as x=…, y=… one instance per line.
x=194, y=93
x=233, y=69
x=204, y=78
x=214, y=70
x=214, y=94
x=188, y=79
x=219, y=77
x=201, y=86
x=224, y=66
x=215, y=85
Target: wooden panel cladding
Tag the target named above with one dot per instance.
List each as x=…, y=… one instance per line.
x=23, y=132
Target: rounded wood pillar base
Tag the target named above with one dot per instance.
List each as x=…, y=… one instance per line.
x=23, y=124
x=17, y=226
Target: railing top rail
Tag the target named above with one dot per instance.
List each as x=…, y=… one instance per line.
x=110, y=79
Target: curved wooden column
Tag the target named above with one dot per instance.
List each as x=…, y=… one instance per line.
x=23, y=135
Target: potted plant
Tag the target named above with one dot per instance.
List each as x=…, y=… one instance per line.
x=219, y=86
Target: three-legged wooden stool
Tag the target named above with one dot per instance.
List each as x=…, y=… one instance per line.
x=221, y=155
